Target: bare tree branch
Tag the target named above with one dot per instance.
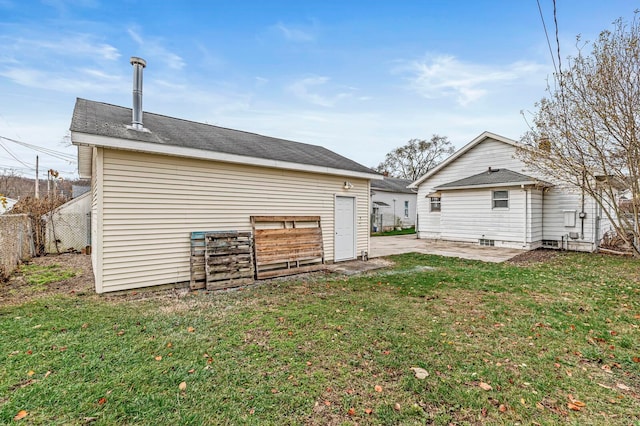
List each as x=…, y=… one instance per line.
x=416, y=158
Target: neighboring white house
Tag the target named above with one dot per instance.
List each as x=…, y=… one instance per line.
x=6, y=204
x=154, y=185
x=392, y=204
x=484, y=194
x=68, y=226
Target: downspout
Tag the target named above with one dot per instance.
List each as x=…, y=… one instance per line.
x=526, y=205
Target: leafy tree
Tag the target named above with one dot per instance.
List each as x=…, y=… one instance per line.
x=585, y=131
x=416, y=158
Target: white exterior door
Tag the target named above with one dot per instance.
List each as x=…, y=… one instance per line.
x=345, y=238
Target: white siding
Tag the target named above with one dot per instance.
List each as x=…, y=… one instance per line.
x=400, y=197
x=151, y=203
x=556, y=201
x=467, y=215
x=536, y=202
x=489, y=153
x=546, y=217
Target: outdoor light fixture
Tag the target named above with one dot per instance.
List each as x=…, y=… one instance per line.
x=347, y=185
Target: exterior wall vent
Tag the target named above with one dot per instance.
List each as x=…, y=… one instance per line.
x=550, y=243
x=486, y=242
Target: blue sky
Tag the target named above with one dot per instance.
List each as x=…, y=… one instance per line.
x=358, y=77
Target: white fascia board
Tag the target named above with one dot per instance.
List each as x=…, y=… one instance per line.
x=81, y=139
x=490, y=185
x=458, y=153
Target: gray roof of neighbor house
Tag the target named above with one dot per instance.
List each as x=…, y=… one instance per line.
x=494, y=177
x=101, y=119
x=391, y=184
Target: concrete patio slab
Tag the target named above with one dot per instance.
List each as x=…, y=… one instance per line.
x=398, y=244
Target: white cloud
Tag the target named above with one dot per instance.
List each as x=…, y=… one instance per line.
x=445, y=75
x=71, y=45
x=303, y=90
x=294, y=34
x=154, y=49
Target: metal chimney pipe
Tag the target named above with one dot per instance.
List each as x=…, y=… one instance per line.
x=138, y=65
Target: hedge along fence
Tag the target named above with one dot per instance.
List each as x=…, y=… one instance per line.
x=16, y=242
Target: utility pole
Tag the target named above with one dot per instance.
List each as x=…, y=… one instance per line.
x=37, y=182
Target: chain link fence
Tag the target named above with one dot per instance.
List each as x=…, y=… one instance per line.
x=16, y=242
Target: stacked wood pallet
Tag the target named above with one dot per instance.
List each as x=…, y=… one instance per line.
x=221, y=259
x=286, y=245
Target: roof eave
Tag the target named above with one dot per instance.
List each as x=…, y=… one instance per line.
x=535, y=183
x=89, y=140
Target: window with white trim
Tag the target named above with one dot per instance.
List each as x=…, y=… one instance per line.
x=406, y=209
x=435, y=204
x=500, y=199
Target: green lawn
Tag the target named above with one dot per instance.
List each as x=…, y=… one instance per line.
x=541, y=344
x=404, y=231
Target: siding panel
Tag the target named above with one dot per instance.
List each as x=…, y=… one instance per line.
x=152, y=203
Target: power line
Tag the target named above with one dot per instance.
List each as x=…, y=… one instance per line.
x=56, y=154
x=546, y=34
x=2, y=145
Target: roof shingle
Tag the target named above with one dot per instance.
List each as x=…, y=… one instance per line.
x=97, y=118
x=492, y=177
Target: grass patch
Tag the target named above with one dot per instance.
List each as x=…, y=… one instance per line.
x=405, y=231
x=313, y=352
x=39, y=276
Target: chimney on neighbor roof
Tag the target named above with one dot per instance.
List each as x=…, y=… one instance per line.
x=138, y=65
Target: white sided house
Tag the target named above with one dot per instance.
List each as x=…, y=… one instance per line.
x=153, y=184
x=392, y=204
x=484, y=194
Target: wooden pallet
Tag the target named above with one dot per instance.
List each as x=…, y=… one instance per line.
x=228, y=259
x=287, y=245
x=221, y=259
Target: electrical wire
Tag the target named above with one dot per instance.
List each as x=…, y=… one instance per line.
x=56, y=154
x=2, y=145
x=546, y=34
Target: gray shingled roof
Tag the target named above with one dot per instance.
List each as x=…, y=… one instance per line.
x=97, y=118
x=392, y=185
x=492, y=177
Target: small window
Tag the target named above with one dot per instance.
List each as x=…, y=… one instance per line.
x=435, y=204
x=406, y=209
x=500, y=199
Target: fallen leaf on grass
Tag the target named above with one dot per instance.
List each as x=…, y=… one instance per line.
x=636, y=359
x=604, y=386
x=182, y=386
x=502, y=408
x=31, y=373
x=378, y=388
x=485, y=386
x=574, y=407
x=484, y=412
x=274, y=390
x=622, y=386
x=352, y=411
x=21, y=415
x=102, y=400
x=158, y=358
x=327, y=403
x=120, y=333
x=368, y=410
x=193, y=370
x=396, y=406
x=420, y=373
x=169, y=344
x=191, y=329
x=47, y=374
